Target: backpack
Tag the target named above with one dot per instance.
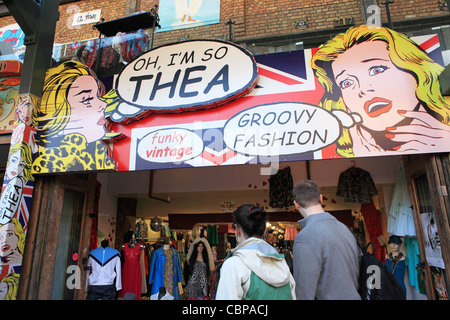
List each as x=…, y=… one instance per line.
x=376, y=281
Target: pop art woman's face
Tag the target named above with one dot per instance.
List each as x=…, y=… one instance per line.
x=8, y=240
x=15, y=166
x=87, y=110
x=373, y=86
x=25, y=110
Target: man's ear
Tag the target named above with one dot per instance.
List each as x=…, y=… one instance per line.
x=297, y=206
x=321, y=199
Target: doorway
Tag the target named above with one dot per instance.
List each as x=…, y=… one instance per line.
x=68, y=245
x=57, y=244
x=427, y=185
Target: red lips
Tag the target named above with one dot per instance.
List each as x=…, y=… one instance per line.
x=377, y=106
x=101, y=121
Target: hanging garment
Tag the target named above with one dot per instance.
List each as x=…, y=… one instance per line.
x=105, y=271
x=212, y=235
x=356, y=185
x=290, y=233
x=131, y=270
x=412, y=259
x=399, y=272
x=197, y=286
x=109, y=57
x=142, y=229
x=158, y=273
x=280, y=189
x=372, y=219
x=168, y=270
x=400, y=219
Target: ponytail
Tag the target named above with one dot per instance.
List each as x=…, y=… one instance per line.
x=251, y=219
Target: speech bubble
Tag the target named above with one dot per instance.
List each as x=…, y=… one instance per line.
x=10, y=200
x=185, y=76
x=170, y=145
x=281, y=129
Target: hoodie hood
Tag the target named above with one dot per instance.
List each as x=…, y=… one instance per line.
x=263, y=260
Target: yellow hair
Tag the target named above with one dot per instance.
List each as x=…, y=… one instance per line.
x=405, y=54
x=26, y=155
x=54, y=111
x=35, y=101
x=12, y=280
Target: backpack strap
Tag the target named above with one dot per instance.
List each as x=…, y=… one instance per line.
x=373, y=246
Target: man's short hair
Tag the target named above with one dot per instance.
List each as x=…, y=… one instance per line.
x=306, y=193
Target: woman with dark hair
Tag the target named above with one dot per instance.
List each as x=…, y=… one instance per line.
x=199, y=269
x=82, y=54
x=254, y=269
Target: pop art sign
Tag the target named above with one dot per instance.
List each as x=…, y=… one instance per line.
x=206, y=103
x=183, y=77
x=363, y=100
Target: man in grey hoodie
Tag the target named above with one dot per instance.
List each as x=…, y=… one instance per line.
x=255, y=270
x=326, y=255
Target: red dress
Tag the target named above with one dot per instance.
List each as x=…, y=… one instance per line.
x=131, y=271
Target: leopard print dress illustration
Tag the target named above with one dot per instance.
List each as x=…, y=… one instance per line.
x=72, y=153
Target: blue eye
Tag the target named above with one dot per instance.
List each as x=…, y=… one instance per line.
x=377, y=70
x=346, y=83
x=87, y=101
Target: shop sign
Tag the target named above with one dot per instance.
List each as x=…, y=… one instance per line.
x=10, y=200
x=86, y=17
x=170, y=145
x=183, y=77
x=283, y=128
x=211, y=102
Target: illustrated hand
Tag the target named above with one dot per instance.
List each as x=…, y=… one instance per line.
x=424, y=134
x=364, y=144
x=14, y=258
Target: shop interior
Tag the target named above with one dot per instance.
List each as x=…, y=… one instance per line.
x=176, y=206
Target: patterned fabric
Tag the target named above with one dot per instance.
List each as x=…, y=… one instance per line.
x=168, y=271
x=356, y=185
x=197, y=286
x=72, y=153
x=372, y=219
x=280, y=191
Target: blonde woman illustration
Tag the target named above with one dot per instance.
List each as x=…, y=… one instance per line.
x=71, y=122
x=26, y=110
x=9, y=286
x=392, y=84
x=19, y=162
x=12, y=243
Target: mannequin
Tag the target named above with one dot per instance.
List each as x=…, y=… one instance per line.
x=199, y=269
x=166, y=243
x=396, y=261
x=162, y=294
x=165, y=270
x=104, y=273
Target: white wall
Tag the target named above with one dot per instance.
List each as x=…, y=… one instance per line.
x=107, y=211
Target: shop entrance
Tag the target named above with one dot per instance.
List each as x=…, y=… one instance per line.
x=428, y=198
x=58, y=238
x=68, y=245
